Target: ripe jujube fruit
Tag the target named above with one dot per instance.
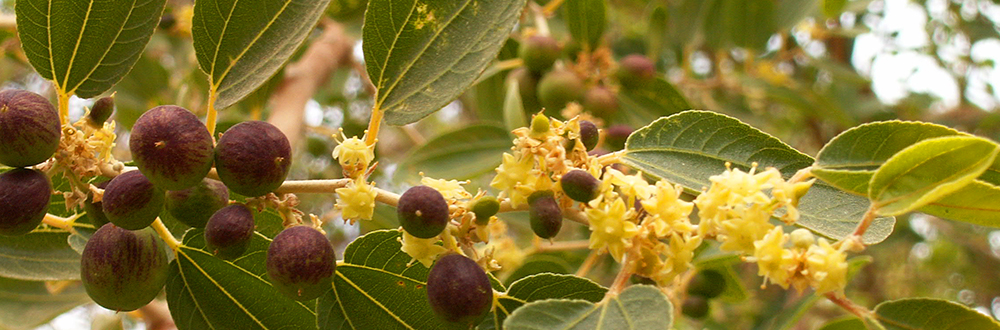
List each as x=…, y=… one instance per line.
x=458, y=290
x=589, y=134
x=29, y=128
x=635, y=70
x=539, y=52
x=544, y=214
x=123, y=270
x=195, y=205
x=24, y=198
x=131, y=201
x=253, y=158
x=229, y=231
x=559, y=87
x=423, y=212
x=300, y=263
x=579, y=185
x=171, y=147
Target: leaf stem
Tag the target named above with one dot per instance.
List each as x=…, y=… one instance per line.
x=165, y=234
x=60, y=222
x=63, y=99
x=561, y=246
x=611, y=158
x=621, y=280
x=866, y=221
x=210, y=118
x=371, y=134
x=588, y=263
x=861, y=311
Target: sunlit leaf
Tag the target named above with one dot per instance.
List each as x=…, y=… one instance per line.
x=421, y=55
x=928, y=170
x=637, y=307
x=85, y=47
x=644, y=104
x=540, y=287
x=241, y=44
x=928, y=314
x=689, y=147
x=205, y=292
x=459, y=154
x=586, y=20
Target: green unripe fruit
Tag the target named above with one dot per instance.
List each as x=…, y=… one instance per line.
x=544, y=214
x=423, y=212
x=707, y=283
x=301, y=263
x=253, y=158
x=171, y=147
x=539, y=52
x=123, y=270
x=558, y=88
x=580, y=186
x=95, y=211
x=616, y=137
x=484, y=208
x=29, y=128
x=600, y=101
x=101, y=111
x=229, y=231
x=695, y=307
x=458, y=290
x=194, y=206
x=589, y=134
x=24, y=198
x=635, y=70
x=131, y=201
x=540, y=125
x=527, y=85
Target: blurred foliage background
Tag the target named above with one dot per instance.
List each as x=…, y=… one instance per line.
x=801, y=70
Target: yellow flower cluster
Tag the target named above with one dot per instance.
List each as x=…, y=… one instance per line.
x=803, y=264
x=82, y=153
x=356, y=200
x=353, y=155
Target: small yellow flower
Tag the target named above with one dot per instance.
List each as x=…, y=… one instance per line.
x=354, y=155
x=450, y=189
x=610, y=228
x=511, y=172
x=774, y=262
x=356, y=200
x=667, y=212
x=788, y=194
x=634, y=186
x=825, y=267
x=746, y=225
x=420, y=249
x=679, y=254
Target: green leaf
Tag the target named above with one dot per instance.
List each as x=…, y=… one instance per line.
x=538, y=264
x=513, y=108
x=638, y=307
x=541, y=287
x=723, y=264
x=929, y=170
x=975, y=203
x=421, y=55
x=241, y=44
x=376, y=287
x=205, y=292
x=927, y=314
x=586, y=20
x=41, y=255
x=642, y=105
x=460, y=154
x=85, y=47
x=849, y=323
x=833, y=8
x=656, y=32
x=689, y=147
x=849, y=159
x=28, y=304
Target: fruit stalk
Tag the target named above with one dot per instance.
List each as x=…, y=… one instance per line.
x=60, y=222
x=210, y=118
x=165, y=234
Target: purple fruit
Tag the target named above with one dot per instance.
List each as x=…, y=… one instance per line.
x=29, y=128
x=131, y=201
x=539, y=52
x=600, y=101
x=229, y=231
x=589, y=134
x=544, y=214
x=194, y=206
x=580, y=186
x=24, y=198
x=458, y=290
x=101, y=111
x=253, y=158
x=123, y=270
x=171, y=147
x=635, y=70
x=423, y=212
x=301, y=262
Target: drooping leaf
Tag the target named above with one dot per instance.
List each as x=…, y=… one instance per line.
x=927, y=314
x=41, y=255
x=513, y=108
x=205, y=292
x=421, y=55
x=540, y=287
x=459, y=154
x=689, y=147
x=586, y=20
x=241, y=44
x=642, y=105
x=28, y=304
x=637, y=307
x=85, y=47
x=849, y=159
x=376, y=287
x=928, y=170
